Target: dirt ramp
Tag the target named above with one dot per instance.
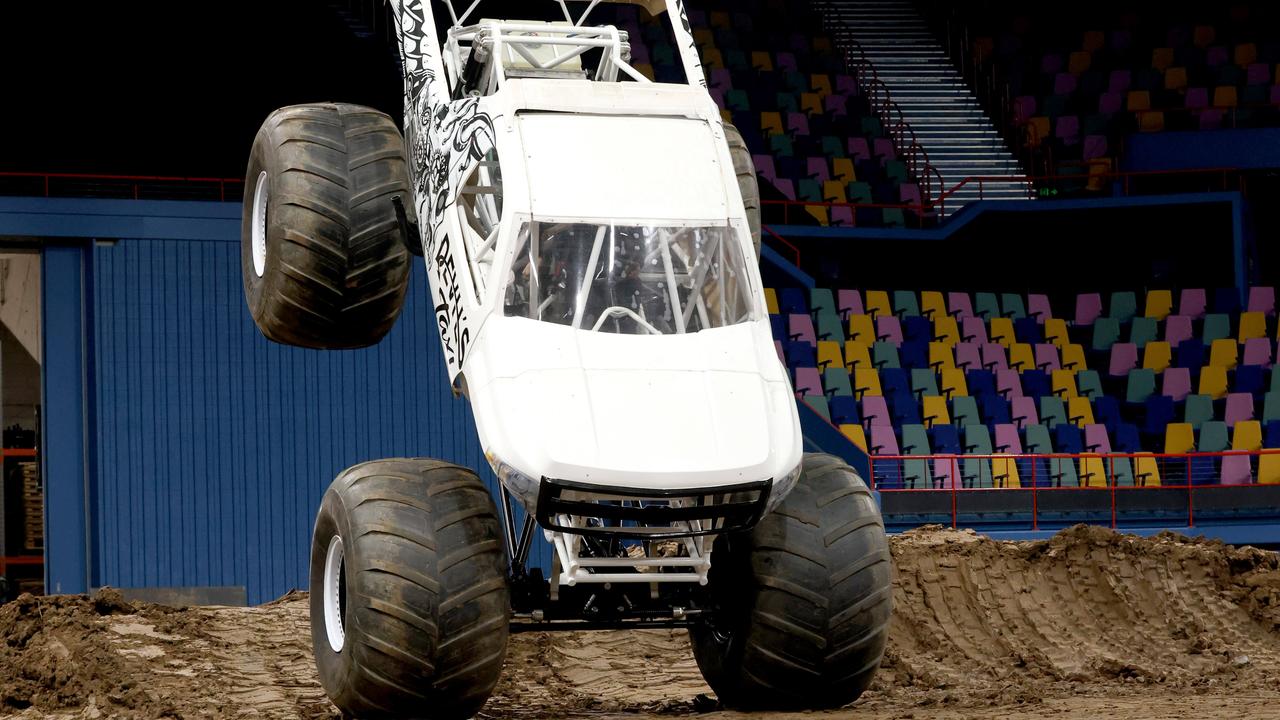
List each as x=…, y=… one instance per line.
x=1088, y=606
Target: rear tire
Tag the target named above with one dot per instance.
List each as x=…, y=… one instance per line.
x=745, y=168
x=803, y=601
x=411, y=619
x=322, y=254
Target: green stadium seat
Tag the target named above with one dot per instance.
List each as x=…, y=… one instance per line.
x=1198, y=410
x=976, y=472
x=1106, y=332
x=1013, y=306
x=884, y=354
x=1052, y=411
x=964, y=411
x=986, y=306
x=1143, y=331
x=1216, y=327
x=1141, y=384
x=1124, y=305
x=915, y=473
x=905, y=304
x=820, y=405
x=1089, y=384
x=924, y=382
x=835, y=381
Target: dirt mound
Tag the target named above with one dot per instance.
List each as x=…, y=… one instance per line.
x=1088, y=623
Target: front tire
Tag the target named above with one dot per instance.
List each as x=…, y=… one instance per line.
x=803, y=601
x=409, y=598
x=323, y=257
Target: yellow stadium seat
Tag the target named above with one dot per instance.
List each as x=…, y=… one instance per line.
x=1161, y=58
x=711, y=57
x=862, y=329
x=1157, y=356
x=1253, y=325
x=1246, y=54
x=857, y=355
x=1001, y=331
x=811, y=103
x=1080, y=411
x=829, y=355
x=1159, y=304
x=1093, y=472
x=704, y=37
x=1225, y=96
x=1055, y=331
x=1213, y=382
x=934, y=410
x=771, y=300
x=1146, y=470
x=833, y=191
x=1179, y=438
x=720, y=19
x=761, y=61
x=1246, y=435
x=1037, y=130
x=1224, y=353
x=1203, y=36
x=819, y=213
x=1269, y=469
x=946, y=329
x=1138, y=100
x=941, y=357
x=932, y=305
x=1175, y=78
x=821, y=44
x=821, y=84
x=1079, y=62
x=844, y=170
x=1073, y=358
x=877, y=303
x=771, y=124
x=1064, y=384
x=856, y=435
x=1004, y=472
x=1151, y=121
x=1094, y=40
x=953, y=383
x=1022, y=357
x=866, y=381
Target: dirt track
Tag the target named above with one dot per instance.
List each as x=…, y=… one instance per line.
x=1089, y=624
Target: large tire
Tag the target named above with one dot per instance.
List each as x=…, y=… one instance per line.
x=322, y=256
x=745, y=168
x=802, y=602
x=420, y=592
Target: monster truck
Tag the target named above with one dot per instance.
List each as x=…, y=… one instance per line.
x=591, y=240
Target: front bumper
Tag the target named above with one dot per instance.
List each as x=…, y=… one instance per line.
x=650, y=514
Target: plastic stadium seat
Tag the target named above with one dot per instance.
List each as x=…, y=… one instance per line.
x=1179, y=438
x=1002, y=331
x=895, y=381
x=885, y=355
x=964, y=411
x=915, y=473
x=1159, y=304
x=1012, y=306
x=1263, y=300
x=1088, y=308
x=976, y=472
x=1271, y=407
x=848, y=302
x=818, y=404
x=1246, y=435
x=1151, y=121
x=866, y=383
x=1176, y=329
x=1252, y=325
x=1124, y=305
x=800, y=354
x=877, y=303
x=875, y=411
x=800, y=328
x=883, y=441
x=973, y=329
x=1198, y=410
x=1175, y=78
x=1021, y=357
x=953, y=383
x=771, y=301
x=888, y=329
x=1192, y=303
x=903, y=408
x=862, y=329
x=916, y=329
x=829, y=326
x=1064, y=384
x=771, y=123
x=1089, y=384
x=1052, y=411
x=1190, y=354
x=1046, y=357
x=1239, y=408
x=1079, y=411
x=995, y=358
x=924, y=382
x=1250, y=379
x=1216, y=327
x=934, y=410
x=905, y=304
x=808, y=381
x=1257, y=352
x=1124, y=357
x=1055, y=331
x=941, y=357
x=844, y=410
x=1226, y=301
x=1038, y=307
x=835, y=382
x=1225, y=96
x=932, y=305
x=1027, y=330
x=981, y=382
x=1106, y=332
x=1008, y=383
x=793, y=301
x=856, y=434
x=946, y=330
x=829, y=355
x=856, y=355
x=1138, y=101
x=1141, y=384
x=1224, y=354
x=1036, y=384
x=1022, y=411
x=986, y=305
x=968, y=356
x=1142, y=331
x=1177, y=384
x=914, y=354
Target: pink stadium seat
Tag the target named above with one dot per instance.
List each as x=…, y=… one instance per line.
x=1024, y=412
x=786, y=61
x=1007, y=440
x=1176, y=329
x=1258, y=74
x=946, y=474
x=1064, y=83
x=817, y=169
x=1009, y=384
x=1257, y=351
x=797, y=123
x=1110, y=102
x=848, y=302
x=1177, y=383
x=765, y=167
x=889, y=329
x=1038, y=307
x=1236, y=470
x=1196, y=98
x=994, y=357
x=842, y=216
x=836, y=105
x=859, y=149
x=1262, y=299
x=1124, y=357
x=1095, y=146
x=875, y=411
x=1192, y=302
x=883, y=150
x=846, y=85
x=808, y=382
x=1047, y=357
x=1239, y=407
x=969, y=356
x=1067, y=129
x=800, y=327
x=786, y=187
x=1119, y=81
x=1215, y=56
x=883, y=441
x=1088, y=308
x=972, y=329
x=960, y=306
x=722, y=79
x=777, y=345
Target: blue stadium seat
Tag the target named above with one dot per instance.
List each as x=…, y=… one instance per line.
x=1251, y=379
x=945, y=439
x=778, y=325
x=1106, y=410
x=1068, y=439
x=914, y=354
x=800, y=354
x=903, y=408
x=981, y=383
x=1028, y=330
x=995, y=409
x=1190, y=354
x=1157, y=412
x=895, y=381
x=1127, y=439
x=1037, y=384
x=917, y=329
x=844, y=411
x=1226, y=300
x=793, y=301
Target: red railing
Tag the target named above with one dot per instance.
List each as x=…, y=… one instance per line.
x=20, y=560
x=137, y=187
x=1111, y=473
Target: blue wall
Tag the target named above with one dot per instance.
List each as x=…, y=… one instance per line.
x=1253, y=148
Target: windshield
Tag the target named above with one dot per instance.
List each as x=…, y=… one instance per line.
x=633, y=279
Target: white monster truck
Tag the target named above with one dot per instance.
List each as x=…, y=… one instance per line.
x=589, y=244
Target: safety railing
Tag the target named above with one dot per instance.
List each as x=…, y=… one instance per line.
x=133, y=187
x=1040, y=489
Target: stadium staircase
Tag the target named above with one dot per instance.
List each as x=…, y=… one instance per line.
x=891, y=42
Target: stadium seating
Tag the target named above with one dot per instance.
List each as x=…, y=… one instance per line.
x=1089, y=393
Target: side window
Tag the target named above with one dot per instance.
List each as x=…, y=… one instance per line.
x=480, y=208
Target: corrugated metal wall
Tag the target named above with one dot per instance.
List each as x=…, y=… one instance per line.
x=214, y=446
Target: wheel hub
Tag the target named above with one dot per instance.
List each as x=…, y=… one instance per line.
x=335, y=594
x=259, y=224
